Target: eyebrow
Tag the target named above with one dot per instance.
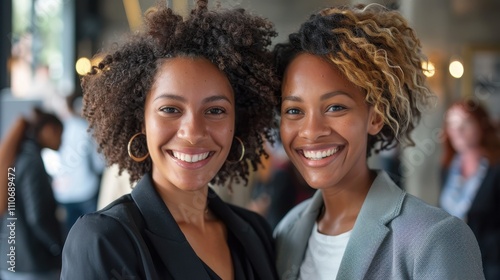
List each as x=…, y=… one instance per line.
x=180, y=98
x=322, y=98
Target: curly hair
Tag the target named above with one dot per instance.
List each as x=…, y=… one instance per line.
x=375, y=49
x=233, y=40
x=490, y=141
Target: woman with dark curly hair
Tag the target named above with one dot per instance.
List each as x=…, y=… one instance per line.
x=352, y=78
x=179, y=105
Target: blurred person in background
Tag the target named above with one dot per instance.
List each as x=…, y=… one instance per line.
x=279, y=188
x=77, y=180
x=38, y=237
x=471, y=177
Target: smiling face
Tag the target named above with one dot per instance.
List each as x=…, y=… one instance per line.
x=189, y=123
x=325, y=122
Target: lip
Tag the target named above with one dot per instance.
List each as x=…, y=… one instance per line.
x=185, y=158
x=329, y=153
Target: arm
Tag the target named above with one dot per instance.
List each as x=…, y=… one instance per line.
x=8, y=149
x=449, y=251
x=98, y=247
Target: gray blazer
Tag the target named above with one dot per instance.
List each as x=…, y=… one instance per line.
x=396, y=236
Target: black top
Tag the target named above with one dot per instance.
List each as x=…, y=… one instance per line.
x=482, y=218
x=136, y=237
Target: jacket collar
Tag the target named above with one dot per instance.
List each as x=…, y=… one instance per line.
x=171, y=244
x=382, y=204
x=165, y=235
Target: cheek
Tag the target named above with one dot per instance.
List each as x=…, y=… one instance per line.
x=223, y=134
x=286, y=131
x=158, y=132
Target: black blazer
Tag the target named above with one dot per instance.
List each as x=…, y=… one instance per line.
x=136, y=237
x=484, y=220
x=36, y=235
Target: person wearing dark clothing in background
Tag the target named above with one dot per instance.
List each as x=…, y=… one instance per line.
x=76, y=183
x=31, y=236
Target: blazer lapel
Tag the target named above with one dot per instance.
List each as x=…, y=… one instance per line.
x=165, y=235
x=382, y=204
x=299, y=234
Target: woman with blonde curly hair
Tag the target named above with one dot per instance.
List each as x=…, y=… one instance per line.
x=352, y=78
x=183, y=103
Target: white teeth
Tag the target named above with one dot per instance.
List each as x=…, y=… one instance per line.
x=312, y=155
x=190, y=158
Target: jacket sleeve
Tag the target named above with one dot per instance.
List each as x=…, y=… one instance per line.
x=98, y=247
x=449, y=251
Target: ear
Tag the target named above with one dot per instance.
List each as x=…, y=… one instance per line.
x=376, y=122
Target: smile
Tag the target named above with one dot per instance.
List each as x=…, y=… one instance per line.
x=191, y=158
x=321, y=154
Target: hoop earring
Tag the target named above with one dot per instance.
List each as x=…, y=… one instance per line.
x=242, y=151
x=136, y=159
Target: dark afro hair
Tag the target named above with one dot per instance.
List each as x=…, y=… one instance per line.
x=375, y=49
x=233, y=40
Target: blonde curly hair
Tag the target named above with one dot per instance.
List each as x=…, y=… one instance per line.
x=375, y=49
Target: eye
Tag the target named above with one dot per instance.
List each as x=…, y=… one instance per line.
x=335, y=108
x=169, y=110
x=216, y=111
x=292, y=111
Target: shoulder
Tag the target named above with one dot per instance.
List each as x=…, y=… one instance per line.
x=29, y=152
x=435, y=232
x=107, y=230
x=109, y=222
x=103, y=243
x=424, y=237
x=494, y=172
x=419, y=216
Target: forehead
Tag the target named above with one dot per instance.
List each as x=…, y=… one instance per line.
x=183, y=74
x=457, y=113
x=187, y=67
x=310, y=73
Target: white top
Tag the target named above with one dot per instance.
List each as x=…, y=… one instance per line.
x=323, y=255
x=77, y=177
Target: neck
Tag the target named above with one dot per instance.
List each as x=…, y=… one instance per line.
x=187, y=207
x=343, y=202
x=469, y=162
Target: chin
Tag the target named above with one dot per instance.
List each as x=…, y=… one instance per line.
x=316, y=183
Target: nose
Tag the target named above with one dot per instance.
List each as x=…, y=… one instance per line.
x=192, y=128
x=313, y=127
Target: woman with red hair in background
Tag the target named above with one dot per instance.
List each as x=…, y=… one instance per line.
x=471, y=177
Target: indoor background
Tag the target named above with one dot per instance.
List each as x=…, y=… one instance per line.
x=47, y=43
